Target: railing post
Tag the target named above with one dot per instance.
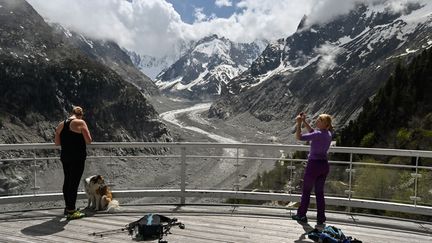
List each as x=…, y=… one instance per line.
x=350, y=182
x=416, y=175
x=35, y=187
x=236, y=185
x=183, y=175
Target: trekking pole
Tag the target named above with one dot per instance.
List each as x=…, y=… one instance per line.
x=108, y=232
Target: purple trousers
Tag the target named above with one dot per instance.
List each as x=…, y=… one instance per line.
x=315, y=175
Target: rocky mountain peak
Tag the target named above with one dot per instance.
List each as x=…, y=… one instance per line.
x=209, y=62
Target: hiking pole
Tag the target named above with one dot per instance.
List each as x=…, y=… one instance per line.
x=108, y=232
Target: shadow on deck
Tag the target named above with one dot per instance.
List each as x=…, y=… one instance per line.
x=204, y=224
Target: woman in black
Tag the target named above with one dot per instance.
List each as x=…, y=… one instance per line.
x=73, y=135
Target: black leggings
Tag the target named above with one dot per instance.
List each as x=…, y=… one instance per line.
x=72, y=170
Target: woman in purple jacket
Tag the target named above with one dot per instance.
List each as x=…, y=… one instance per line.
x=317, y=167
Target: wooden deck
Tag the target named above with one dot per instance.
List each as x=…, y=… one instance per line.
x=203, y=224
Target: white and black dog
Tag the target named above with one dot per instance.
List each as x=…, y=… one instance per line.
x=92, y=185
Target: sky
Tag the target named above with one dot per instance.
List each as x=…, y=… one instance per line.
x=155, y=27
x=190, y=10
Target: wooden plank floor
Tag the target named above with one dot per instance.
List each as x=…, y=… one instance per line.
x=203, y=224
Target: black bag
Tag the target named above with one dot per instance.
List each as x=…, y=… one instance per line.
x=152, y=227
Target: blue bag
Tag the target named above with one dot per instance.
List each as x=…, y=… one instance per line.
x=330, y=234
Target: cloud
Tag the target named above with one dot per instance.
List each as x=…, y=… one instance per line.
x=258, y=19
x=223, y=3
x=328, y=54
x=323, y=11
x=145, y=26
x=199, y=15
x=153, y=27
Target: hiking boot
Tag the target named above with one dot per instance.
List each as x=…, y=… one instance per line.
x=302, y=219
x=75, y=215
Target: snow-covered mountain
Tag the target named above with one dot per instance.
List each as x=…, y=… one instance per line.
x=332, y=67
x=149, y=65
x=210, y=62
x=152, y=66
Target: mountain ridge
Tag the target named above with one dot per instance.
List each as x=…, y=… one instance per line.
x=209, y=62
x=330, y=68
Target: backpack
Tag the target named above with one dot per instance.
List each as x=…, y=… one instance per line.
x=152, y=227
x=330, y=234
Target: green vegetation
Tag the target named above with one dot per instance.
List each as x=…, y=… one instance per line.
x=400, y=115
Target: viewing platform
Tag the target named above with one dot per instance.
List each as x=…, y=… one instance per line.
x=204, y=223
x=197, y=183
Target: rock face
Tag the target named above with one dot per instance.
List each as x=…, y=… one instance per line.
x=42, y=75
x=209, y=63
x=328, y=68
x=112, y=56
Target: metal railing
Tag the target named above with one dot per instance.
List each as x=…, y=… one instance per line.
x=184, y=167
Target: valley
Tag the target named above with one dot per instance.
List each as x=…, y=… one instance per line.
x=188, y=122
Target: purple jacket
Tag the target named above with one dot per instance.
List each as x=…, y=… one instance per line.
x=320, y=143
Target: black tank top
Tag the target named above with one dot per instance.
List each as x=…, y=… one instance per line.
x=73, y=146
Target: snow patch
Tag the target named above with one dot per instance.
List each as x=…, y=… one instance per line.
x=167, y=84
x=67, y=33
x=88, y=42
x=344, y=40
x=264, y=77
x=214, y=47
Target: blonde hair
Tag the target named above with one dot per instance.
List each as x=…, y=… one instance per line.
x=77, y=111
x=327, y=119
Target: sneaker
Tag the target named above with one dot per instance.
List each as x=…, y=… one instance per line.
x=302, y=219
x=75, y=215
x=66, y=212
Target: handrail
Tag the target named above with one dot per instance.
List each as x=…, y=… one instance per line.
x=354, y=150
x=183, y=192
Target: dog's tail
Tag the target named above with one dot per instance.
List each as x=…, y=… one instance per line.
x=113, y=206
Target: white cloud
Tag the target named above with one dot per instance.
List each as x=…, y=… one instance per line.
x=259, y=19
x=328, y=54
x=323, y=11
x=145, y=26
x=223, y=3
x=199, y=15
x=153, y=27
